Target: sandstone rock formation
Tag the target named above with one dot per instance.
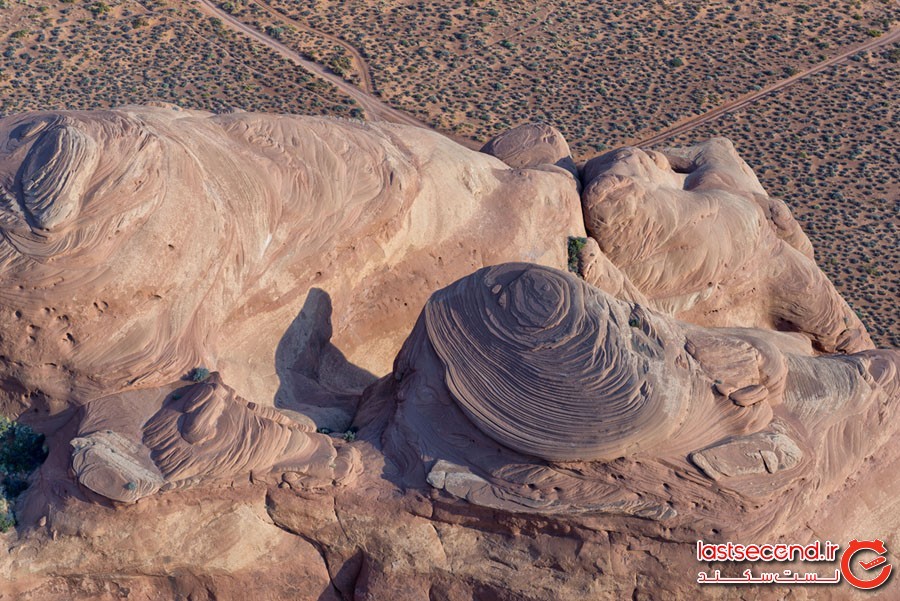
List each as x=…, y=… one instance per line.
x=584, y=403
x=141, y=242
x=193, y=434
x=502, y=428
x=695, y=232
x=533, y=145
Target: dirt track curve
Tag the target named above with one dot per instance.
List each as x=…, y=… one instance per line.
x=362, y=67
x=743, y=101
x=375, y=109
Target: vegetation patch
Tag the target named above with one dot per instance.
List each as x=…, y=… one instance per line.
x=198, y=374
x=22, y=450
x=575, y=245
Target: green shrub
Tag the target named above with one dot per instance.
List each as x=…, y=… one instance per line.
x=7, y=520
x=272, y=31
x=198, y=374
x=350, y=434
x=21, y=451
x=99, y=8
x=575, y=246
x=21, y=448
x=340, y=64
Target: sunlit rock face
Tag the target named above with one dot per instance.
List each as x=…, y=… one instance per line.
x=535, y=146
x=524, y=388
x=694, y=231
x=140, y=242
x=134, y=444
x=410, y=396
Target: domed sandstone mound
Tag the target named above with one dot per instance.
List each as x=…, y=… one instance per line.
x=532, y=145
x=141, y=242
x=694, y=231
x=526, y=389
x=542, y=434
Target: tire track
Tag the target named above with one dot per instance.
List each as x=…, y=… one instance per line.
x=362, y=67
x=738, y=103
x=375, y=109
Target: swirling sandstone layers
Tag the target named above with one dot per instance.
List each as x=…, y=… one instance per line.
x=194, y=239
x=695, y=232
x=545, y=367
x=55, y=175
x=140, y=242
x=136, y=443
x=525, y=389
x=516, y=369
x=533, y=145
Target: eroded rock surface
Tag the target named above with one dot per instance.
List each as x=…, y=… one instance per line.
x=141, y=242
x=499, y=428
x=694, y=231
x=583, y=402
x=196, y=433
x=532, y=145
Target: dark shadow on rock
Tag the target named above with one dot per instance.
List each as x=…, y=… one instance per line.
x=51, y=485
x=330, y=594
x=344, y=581
x=568, y=163
x=315, y=378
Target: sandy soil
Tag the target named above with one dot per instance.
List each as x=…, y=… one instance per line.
x=830, y=152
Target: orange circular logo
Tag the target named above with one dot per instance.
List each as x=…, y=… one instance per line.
x=866, y=545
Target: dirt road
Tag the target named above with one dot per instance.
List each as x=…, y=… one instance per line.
x=375, y=109
x=692, y=122
x=362, y=67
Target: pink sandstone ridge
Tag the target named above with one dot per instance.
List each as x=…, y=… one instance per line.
x=287, y=357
